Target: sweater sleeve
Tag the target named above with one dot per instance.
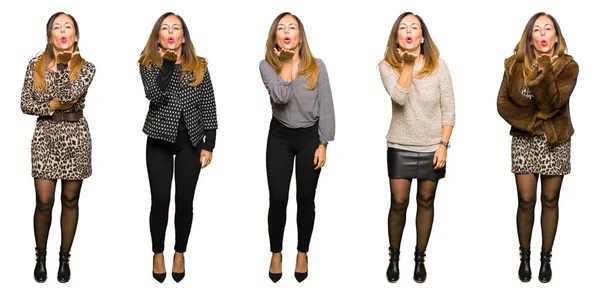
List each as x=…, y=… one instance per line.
x=29, y=104
x=389, y=78
x=518, y=116
x=552, y=93
x=326, y=110
x=446, y=95
x=150, y=81
x=68, y=91
x=279, y=90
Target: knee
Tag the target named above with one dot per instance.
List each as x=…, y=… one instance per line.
x=399, y=205
x=550, y=200
x=527, y=203
x=70, y=200
x=44, y=205
x=425, y=201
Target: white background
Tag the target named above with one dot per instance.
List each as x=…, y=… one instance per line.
x=473, y=247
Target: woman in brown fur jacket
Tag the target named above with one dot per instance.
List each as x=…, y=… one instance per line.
x=534, y=99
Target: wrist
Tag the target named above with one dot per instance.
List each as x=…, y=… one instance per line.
x=445, y=144
x=323, y=143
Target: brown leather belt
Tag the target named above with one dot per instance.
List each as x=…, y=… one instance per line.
x=62, y=116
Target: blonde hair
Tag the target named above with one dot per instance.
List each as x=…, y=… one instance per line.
x=191, y=62
x=429, y=50
x=308, y=65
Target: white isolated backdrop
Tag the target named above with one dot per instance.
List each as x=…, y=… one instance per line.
x=473, y=247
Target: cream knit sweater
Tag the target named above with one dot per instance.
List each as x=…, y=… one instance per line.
x=419, y=112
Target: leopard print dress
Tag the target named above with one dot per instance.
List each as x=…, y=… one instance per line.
x=533, y=154
x=59, y=150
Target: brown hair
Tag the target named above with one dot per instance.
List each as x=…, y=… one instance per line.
x=524, y=51
x=191, y=62
x=75, y=64
x=308, y=64
x=428, y=49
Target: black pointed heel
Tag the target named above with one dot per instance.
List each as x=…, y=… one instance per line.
x=301, y=276
x=160, y=277
x=275, y=277
x=178, y=276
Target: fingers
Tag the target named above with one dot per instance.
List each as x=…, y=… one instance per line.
x=205, y=158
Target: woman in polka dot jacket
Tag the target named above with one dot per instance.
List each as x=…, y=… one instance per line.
x=181, y=122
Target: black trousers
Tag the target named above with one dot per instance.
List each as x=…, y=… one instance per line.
x=159, y=161
x=283, y=145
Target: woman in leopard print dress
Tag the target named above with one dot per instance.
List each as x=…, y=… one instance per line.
x=55, y=87
x=534, y=99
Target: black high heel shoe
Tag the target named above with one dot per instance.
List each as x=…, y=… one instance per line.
x=64, y=271
x=301, y=276
x=525, y=267
x=545, y=270
x=275, y=277
x=160, y=277
x=40, y=273
x=393, y=270
x=178, y=276
x=420, y=274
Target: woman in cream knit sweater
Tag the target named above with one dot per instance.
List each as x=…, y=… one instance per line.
x=420, y=88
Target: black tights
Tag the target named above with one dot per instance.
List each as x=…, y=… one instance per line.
x=400, y=189
x=526, y=188
x=42, y=218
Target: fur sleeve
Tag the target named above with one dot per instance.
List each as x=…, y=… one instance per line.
x=553, y=91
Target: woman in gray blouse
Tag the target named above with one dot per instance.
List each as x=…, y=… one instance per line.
x=422, y=98
x=303, y=123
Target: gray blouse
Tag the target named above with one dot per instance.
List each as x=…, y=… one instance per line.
x=295, y=106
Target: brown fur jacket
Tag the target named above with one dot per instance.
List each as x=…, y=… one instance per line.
x=548, y=111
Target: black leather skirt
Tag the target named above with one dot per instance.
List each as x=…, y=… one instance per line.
x=403, y=164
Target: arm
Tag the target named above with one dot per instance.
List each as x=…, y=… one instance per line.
x=552, y=94
x=518, y=116
x=280, y=91
x=446, y=96
x=68, y=91
x=326, y=110
x=391, y=82
x=208, y=110
x=150, y=79
x=29, y=104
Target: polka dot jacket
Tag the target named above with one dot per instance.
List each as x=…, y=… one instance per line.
x=196, y=103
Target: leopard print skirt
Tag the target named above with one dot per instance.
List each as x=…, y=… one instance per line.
x=61, y=150
x=535, y=155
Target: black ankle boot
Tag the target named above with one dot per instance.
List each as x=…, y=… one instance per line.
x=545, y=269
x=64, y=271
x=393, y=272
x=525, y=267
x=40, y=273
x=420, y=274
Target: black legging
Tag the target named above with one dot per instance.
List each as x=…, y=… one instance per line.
x=283, y=145
x=159, y=161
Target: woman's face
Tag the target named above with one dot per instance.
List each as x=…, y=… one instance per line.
x=543, y=36
x=410, y=35
x=170, y=35
x=288, y=33
x=63, y=35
